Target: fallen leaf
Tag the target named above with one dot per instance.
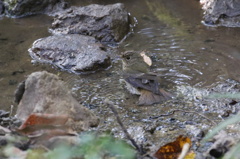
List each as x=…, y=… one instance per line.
x=190, y=155
x=41, y=128
x=38, y=121
x=173, y=149
x=146, y=58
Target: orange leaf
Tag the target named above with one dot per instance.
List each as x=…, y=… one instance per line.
x=41, y=120
x=172, y=149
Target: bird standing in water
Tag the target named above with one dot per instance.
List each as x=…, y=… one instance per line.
x=139, y=80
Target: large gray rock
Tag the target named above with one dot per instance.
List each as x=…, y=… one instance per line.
x=45, y=93
x=19, y=8
x=221, y=12
x=75, y=53
x=109, y=23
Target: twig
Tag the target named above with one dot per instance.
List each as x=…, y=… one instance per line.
x=11, y=110
x=111, y=106
x=185, y=111
x=184, y=152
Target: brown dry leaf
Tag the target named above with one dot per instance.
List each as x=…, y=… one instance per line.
x=146, y=58
x=172, y=149
x=38, y=121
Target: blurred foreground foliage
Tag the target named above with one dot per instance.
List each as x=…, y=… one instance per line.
x=91, y=146
x=234, y=151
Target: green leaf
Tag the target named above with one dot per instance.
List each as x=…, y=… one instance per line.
x=233, y=153
x=225, y=95
x=61, y=152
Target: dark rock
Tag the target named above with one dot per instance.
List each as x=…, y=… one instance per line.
x=19, y=92
x=3, y=141
x=14, y=8
x=12, y=82
x=108, y=23
x=23, y=145
x=221, y=12
x=46, y=93
x=19, y=141
x=8, y=121
x=20, y=71
x=217, y=153
x=222, y=144
x=4, y=114
x=75, y=53
x=1, y=7
x=16, y=123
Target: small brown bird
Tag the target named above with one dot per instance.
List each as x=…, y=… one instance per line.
x=139, y=80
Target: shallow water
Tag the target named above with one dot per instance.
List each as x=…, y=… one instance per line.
x=184, y=52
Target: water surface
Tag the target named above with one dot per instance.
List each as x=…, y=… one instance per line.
x=184, y=52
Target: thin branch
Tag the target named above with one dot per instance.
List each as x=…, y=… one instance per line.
x=111, y=106
x=184, y=152
x=185, y=111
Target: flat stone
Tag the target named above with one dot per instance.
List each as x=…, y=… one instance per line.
x=74, y=53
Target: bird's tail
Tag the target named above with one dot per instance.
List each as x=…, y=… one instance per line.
x=149, y=98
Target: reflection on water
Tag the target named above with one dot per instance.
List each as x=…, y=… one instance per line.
x=183, y=51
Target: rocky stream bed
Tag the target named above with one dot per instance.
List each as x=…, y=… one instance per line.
x=71, y=64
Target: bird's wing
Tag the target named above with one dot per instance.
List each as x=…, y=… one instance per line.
x=144, y=81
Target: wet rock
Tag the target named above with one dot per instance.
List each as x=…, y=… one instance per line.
x=15, y=141
x=221, y=12
x=19, y=71
x=19, y=92
x=4, y=131
x=108, y=23
x=212, y=100
x=222, y=144
x=3, y=114
x=45, y=93
x=8, y=121
x=75, y=53
x=1, y=8
x=21, y=8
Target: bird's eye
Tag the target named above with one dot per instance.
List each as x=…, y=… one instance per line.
x=128, y=57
